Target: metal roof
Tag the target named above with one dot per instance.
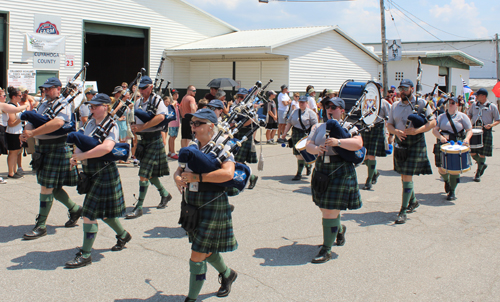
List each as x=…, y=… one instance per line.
x=458, y=55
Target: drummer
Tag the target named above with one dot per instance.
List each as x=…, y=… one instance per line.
x=483, y=113
x=444, y=132
x=301, y=120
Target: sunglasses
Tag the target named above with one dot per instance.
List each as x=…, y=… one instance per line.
x=196, y=123
x=240, y=96
x=404, y=88
x=333, y=107
x=95, y=106
x=193, y=90
x=213, y=108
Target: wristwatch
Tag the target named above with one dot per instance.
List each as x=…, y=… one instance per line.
x=338, y=142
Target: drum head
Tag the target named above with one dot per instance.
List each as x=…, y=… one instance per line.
x=449, y=148
x=371, y=103
x=301, y=144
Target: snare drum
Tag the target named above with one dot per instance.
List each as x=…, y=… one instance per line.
x=476, y=141
x=301, y=147
x=455, y=159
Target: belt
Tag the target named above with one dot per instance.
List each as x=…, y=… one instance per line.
x=150, y=135
x=92, y=161
x=210, y=187
x=58, y=140
x=335, y=158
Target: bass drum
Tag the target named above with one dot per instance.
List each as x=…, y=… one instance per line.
x=352, y=91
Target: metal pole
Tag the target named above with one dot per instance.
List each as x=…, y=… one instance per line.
x=384, y=48
x=498, y=63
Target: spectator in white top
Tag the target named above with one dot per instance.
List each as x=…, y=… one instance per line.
x=311, y=101
x=283, y=105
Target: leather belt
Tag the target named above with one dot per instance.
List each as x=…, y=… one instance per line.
x=58, y=140
x=150, y=135
x=209, y=187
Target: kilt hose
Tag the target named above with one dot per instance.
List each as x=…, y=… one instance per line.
x=105, y=198
x=56, y=171
x=214, y=233
x=245, y=154
x=487, y=149
x=297, y=135
x=343, y=190
x=374, y=141
x=417, y=162
x=154, y=162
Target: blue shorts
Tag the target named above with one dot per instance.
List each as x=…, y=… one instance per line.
x=173, y=131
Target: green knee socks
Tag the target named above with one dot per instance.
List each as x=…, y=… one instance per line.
x=480, y=161
x=407, y=193
x=115, y=224
x=45, y=206
x=301, y=163
x=372, y=168
x=63, y=197
x=446, y=177
x=197, y=278
x=330, y=229
x=454, y=180
x=218, y=263
x=89, y=234
x=143, y=190
x=155, y=181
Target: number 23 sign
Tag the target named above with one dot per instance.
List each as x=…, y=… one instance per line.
x=70, y=60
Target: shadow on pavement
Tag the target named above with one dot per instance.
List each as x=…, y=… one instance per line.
x=159, y=297
x=371, y=218
x=304, y=190
x=294, y=254
x=50, y=260
x=13, y=232
x=165, y=232
x=287, y=179
x=434, y=199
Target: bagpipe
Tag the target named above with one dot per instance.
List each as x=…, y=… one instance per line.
x=150, y=113
x=86, y=143
x=157, y=88
x=211, y=158
x=67, y=96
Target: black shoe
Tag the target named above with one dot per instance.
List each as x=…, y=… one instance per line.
x=225, y=283
x=189, y=300
x=323, y=256
x=477, y=177
x=375, y=178
x=232, y=207
x=401, y=218
x=252, y=182
x=482, y=169
x=15, y=176
x=412, y=206
x=164, y=201
x=297, y=177
x=368, y=185
x=451, y=196
x=447, y=187
x=73, y=217
x=120, y=243
x=36, y=233
x=341, y=236
x=256, y=142
x=136, y=213
x=79, y=261
x=308, y=170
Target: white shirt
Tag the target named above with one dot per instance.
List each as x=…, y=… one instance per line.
x=311, y=103
x=283, y=97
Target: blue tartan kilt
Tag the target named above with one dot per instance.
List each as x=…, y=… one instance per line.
x=417, y=161
x=343, y=190
x=487, y=149
x=374, y=141
x=105, y=198
x=56, y=171
x=297, y=135
x=154, y=163
x=214, y=233
x=245, y=154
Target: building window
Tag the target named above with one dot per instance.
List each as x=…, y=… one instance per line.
x=380, y=76
x=399, y=76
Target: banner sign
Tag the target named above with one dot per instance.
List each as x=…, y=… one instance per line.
x=46, y=60
x=45, y=43
x=395, y=51
x=26, y=78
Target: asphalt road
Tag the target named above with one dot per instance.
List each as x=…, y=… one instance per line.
x=447, y=251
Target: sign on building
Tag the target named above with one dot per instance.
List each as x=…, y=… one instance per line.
x=26, y=78
x=394, y=50
x=46, y=43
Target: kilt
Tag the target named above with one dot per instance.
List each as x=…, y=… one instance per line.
x=154, y=163
x=105, y=198
x=417, y=162
x=56, y=172
x=214, y=233
x=343, y=191
x=487, y=149
x=374, y=141
x=297, y=135
x=245, y=153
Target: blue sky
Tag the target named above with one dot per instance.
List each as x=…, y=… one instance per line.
x=455, y=19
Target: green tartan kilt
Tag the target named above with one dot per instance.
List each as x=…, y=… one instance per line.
x=214, y=233
x=56, y=171
x=374, y=141
x=487, y=149
x=245, y=153
x=154, y=163
x=105, y=198
x=417, y=162
x=297, y=135
x=343, y=191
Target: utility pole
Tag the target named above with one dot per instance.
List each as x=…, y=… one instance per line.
x=384, y=48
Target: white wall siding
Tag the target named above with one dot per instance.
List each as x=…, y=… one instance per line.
x=201, y=73
x=171, y=22
x=326, y=61
x=181, y=73
x=457, y=81
x=276, y=70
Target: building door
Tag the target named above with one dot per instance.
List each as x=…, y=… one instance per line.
x=3, y=50
x=115, y=54
x=43, y=75
x=444, y=79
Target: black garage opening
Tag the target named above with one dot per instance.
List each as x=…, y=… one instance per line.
x=115, y=54
x=3, y=52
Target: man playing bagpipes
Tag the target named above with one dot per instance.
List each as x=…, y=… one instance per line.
x=150, y=149
x=52, y=162
x=410, y=150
